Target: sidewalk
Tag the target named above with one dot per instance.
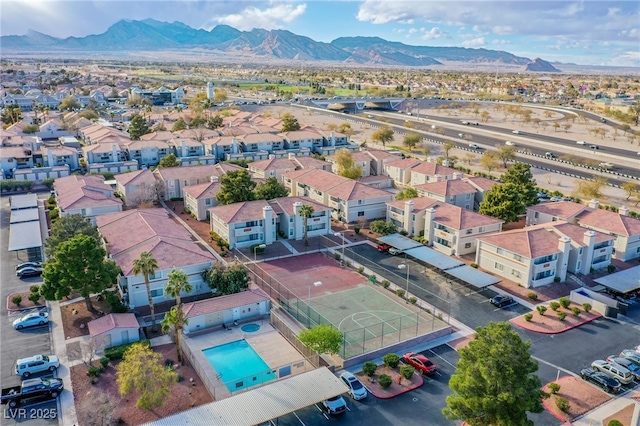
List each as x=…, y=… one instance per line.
x=597, y=416
x=66, y=405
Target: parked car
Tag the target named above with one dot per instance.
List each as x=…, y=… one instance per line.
x=626, y=363
x=356, y=388
x=25, y=367
x=420, y=362
x=30, y=390
x=394, y=251
x=335, y=405
x=29, y=265
x=616, y=371
x=509, y=143
x=516, y=132
x=501, y=300
x=31, y=320
x=594, y=147
x=29, y=271
x=631, y=355
x=601, y=380
x=382, y=247
x=581, y=142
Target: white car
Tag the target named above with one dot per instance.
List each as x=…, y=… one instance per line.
x=581, y=142
x=474, y=146
x=509, y=143
x=516, y=132
x=614, y=370
x=356, y=388
x=335, y=405
x=25, y=367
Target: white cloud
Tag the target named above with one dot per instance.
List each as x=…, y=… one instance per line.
x=501, y=42
x=413, y=31
x=433, y=33
x=271, y=17
x=475, y=42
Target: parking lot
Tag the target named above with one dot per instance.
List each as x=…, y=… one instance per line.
x=19, y=344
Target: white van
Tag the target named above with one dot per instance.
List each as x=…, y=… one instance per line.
x=25, y=367
x=616, y=371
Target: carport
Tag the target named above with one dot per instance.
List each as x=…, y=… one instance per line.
x=25, y=230
x=472, y=276
x=434, y=258
x=399, y=241
x=622, y=282
x=265, y=403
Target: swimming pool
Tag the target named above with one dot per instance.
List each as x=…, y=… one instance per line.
x=238, y=365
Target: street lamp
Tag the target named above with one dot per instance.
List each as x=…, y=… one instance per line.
x=342, y=235
x=315, y=284
x=405, y=266
x=259, y=246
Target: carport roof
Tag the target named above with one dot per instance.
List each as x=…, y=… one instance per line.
x=434, y=258
x=24, y=215
x=623, y=281
x=260, y=405
x=24, y=201
x=399, y=241
x=24, y=235
x=472, y=276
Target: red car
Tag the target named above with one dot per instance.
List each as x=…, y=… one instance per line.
x=383, y=247
x=420, y=362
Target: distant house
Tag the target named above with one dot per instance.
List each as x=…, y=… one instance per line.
x=467, y=193
x=113, y=330
x=54, y=156
x=258, y=222
x=431, y=172
x=276, y=167
x=302, y=139
x=400, y=170
x=226, y=310
x=147, y=152
x=87, y=195
x=198, y=199
x=137, y=187
x=174, y=179
x=131, y=232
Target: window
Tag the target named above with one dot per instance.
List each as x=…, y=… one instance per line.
x=467, y=245
x=481, y=229
x=498, y=266
x=516, y=273
x=207, y=201
x=536, y=215
x=468, y=196
x=517, y=258
x=545, y=274
x=580, y=252
x=500, y=251
x=157, y=292
x=360, y=214
x=360, y=202
x=554, y=219
x=469, y=231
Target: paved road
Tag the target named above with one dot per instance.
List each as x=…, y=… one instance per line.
x=18, y=344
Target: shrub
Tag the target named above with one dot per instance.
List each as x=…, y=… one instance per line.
x=541, y=309
x=474, y=265
x=360, y=269
x=369, y=368
x=356, y=229
x=554, y=305
x=384, y=380
x=554, y=388
x=562, y=404
x=611, y=269
x=407, y=371
x=391, y=360
x=556, y=280
x=562, y=316
x=94, y=371
x=104, y=361
x=400, y=292
x=35, y=289
x=565, y=302
x=576, y=311
x=16, y=300
x=527, y=317
x=386, y=284
x=533, y=296
x=586, y=307
x=34, y=298
x=337, y=256
x=413, y=300
x=117, y=352
x=615, y=423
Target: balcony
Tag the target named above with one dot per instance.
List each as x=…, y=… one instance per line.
x=241, y=232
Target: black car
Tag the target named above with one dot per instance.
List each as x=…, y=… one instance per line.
x=501, y=300
x=29, y=271
x=601, y=380
x=29, y=265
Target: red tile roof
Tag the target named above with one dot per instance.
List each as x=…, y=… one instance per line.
x=576, y=232
x=112, y=321
x=609, y=221
x=223, y=303
x=88, y=191
x=419, y=203
x=564, y=210
x=458, y=218
x=138, y=177
x=530, y=242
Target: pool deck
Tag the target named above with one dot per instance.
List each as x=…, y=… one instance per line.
x=274, y=349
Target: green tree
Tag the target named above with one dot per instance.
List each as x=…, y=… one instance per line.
x=494, y=383
x=383, y=135
x=177, y=283
x=346, y=166
x=30, y=129
x=138, y=127
x=236, y=186
x=11, y=114
x=227, y=280
x=142, y=371
x=78, y=265
x=215, y=122
x=66, y=227
x=520, y=175
x=69, y=104
x=489, y=161
x=383, y=228
x=447, y=147
x=506, y=153
x=197, y=121
x=180, y=124
x=169, y=161
x=503, y=202
x=632, y=190
x=175, y=319
x=322, y=338
x=147, y=266
x=289, y=123
x=406, y=194
x=270, y=189
x=306, y=211
x=89, y=114
x=411, y=140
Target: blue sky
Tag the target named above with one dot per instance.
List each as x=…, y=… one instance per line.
x=584, y=32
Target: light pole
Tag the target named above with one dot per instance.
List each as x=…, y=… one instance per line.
x=342, y=235
x=315, y=284
x=259, y=246
x=405, y=266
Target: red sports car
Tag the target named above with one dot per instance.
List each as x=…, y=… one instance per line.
x=420, y=362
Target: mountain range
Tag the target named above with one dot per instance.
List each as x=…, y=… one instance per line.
x=152, y=35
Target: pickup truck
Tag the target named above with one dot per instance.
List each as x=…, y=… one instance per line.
x=30, y=390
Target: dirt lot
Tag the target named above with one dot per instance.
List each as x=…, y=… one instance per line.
x=582, y=398
x=75, y=316
x=94, y=402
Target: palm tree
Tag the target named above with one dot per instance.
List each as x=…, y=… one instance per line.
x=177, y=283
x=175, y=317
x=306, y=211
x=147, y=265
